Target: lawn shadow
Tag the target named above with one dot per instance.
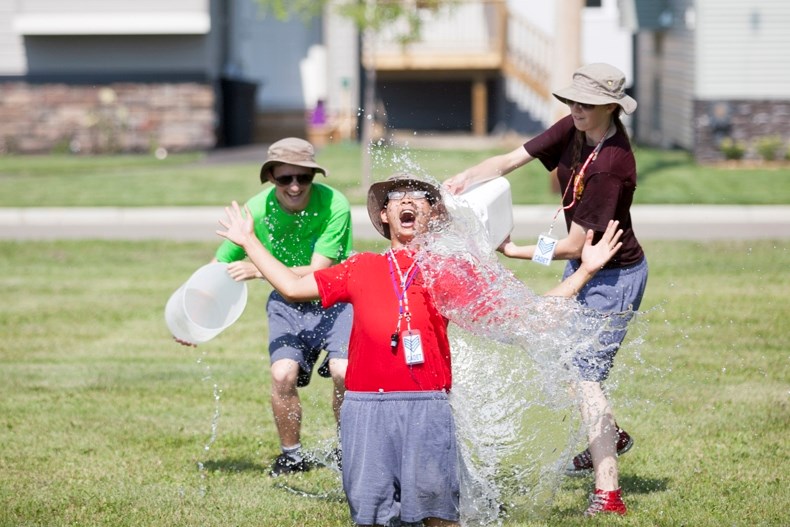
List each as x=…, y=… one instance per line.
x=632, y=484
x=234, y=465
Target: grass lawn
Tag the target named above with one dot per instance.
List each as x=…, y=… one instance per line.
x=187, y=179
x=105, y=421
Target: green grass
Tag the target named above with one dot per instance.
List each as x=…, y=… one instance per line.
x=186, y=179
x=105, y=421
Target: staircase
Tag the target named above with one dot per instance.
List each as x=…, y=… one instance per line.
x=478, y=40
x=526, y=67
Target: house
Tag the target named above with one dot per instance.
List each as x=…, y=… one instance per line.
x=96, y=76
x=709, y=71
x=478, y=66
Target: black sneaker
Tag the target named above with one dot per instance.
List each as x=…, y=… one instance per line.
x=338, y=455
x=285, y=464
x=582, y=463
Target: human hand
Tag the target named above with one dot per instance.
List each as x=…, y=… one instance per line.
x=238, y=226
x=457, y=184
x=594, y=257
x=241, y=271
x=506, y=245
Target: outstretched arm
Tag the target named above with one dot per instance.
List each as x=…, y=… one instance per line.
x=488, y=169
x=239, y=230
x=594, y=257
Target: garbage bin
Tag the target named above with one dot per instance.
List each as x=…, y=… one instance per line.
x=238, y=111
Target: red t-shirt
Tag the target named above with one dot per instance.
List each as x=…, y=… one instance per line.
x=365, y=281
x=609, y=184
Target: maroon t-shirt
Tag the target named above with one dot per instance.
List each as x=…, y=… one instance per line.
x=609, y=184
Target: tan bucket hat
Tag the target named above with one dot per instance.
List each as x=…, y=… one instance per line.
x=293, y=151
x=377, y=196
x=597, y=84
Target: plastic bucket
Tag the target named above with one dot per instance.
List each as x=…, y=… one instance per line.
x=492, y=203
x=205, y=305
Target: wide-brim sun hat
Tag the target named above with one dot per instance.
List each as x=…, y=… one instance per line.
x=293, y=151
x=597, y=84
x=377, y=196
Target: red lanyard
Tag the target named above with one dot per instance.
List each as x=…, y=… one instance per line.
x=578, y=181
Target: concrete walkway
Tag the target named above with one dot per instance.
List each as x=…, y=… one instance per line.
x=652, y=222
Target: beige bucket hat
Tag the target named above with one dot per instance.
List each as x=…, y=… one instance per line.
x=377, y=196
x=293, y=151
x=597, y=84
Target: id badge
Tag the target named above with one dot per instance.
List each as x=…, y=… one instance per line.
x=544, y=250
x=412, y=347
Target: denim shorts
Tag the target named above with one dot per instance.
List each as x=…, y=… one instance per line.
x=618, y=294
x=300, y=331
x=399, y=457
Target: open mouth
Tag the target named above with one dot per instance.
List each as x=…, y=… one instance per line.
x=407, y=218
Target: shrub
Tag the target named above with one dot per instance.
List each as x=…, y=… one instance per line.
x=768, y=147
x=732, y=149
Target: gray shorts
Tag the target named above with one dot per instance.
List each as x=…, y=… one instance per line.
x=618, y=294
x=399, y=457
x=300, y=331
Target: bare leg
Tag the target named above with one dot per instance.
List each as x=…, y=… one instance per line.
x=286, y=405
x=602, y=434
x=337, y=368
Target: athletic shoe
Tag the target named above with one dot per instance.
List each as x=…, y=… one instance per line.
x=582, y=463
x=285, y=464
x=338, y=455
x=606, y=501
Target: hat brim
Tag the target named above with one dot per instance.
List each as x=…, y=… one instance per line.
x=627, y=103
x=306, y=164
x=377, y=197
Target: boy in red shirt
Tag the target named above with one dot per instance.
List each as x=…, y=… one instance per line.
x=397, y=427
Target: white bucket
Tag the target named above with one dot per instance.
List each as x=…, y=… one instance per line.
x=493, y=204
x=206, y=304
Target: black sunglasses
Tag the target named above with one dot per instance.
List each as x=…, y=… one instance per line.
x=285, y=181
x=584, y=106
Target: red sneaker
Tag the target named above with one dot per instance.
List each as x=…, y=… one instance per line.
x=582, y=463
x=606, y=501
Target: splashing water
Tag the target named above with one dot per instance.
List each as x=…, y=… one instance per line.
x=517, y=420
x=217, y=393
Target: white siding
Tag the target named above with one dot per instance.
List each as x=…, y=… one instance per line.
x=742, y=49
x=110, y=6
x=45, y=37
x=666, y=83
x=604, y=40
x=12, y=51
x=92, y=17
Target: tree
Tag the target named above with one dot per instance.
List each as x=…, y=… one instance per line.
x=370, y=17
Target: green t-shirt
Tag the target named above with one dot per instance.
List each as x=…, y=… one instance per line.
x=324, y=227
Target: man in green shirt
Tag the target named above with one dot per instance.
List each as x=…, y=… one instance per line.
x=306, y=226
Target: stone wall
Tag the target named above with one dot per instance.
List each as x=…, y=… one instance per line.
x=111, y=118
x=745, y=122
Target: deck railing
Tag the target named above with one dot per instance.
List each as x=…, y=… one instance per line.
x=467, y=37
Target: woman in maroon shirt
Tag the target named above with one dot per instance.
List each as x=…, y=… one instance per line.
x=596, y=169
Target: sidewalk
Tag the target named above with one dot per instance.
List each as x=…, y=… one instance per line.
x=651, y=222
